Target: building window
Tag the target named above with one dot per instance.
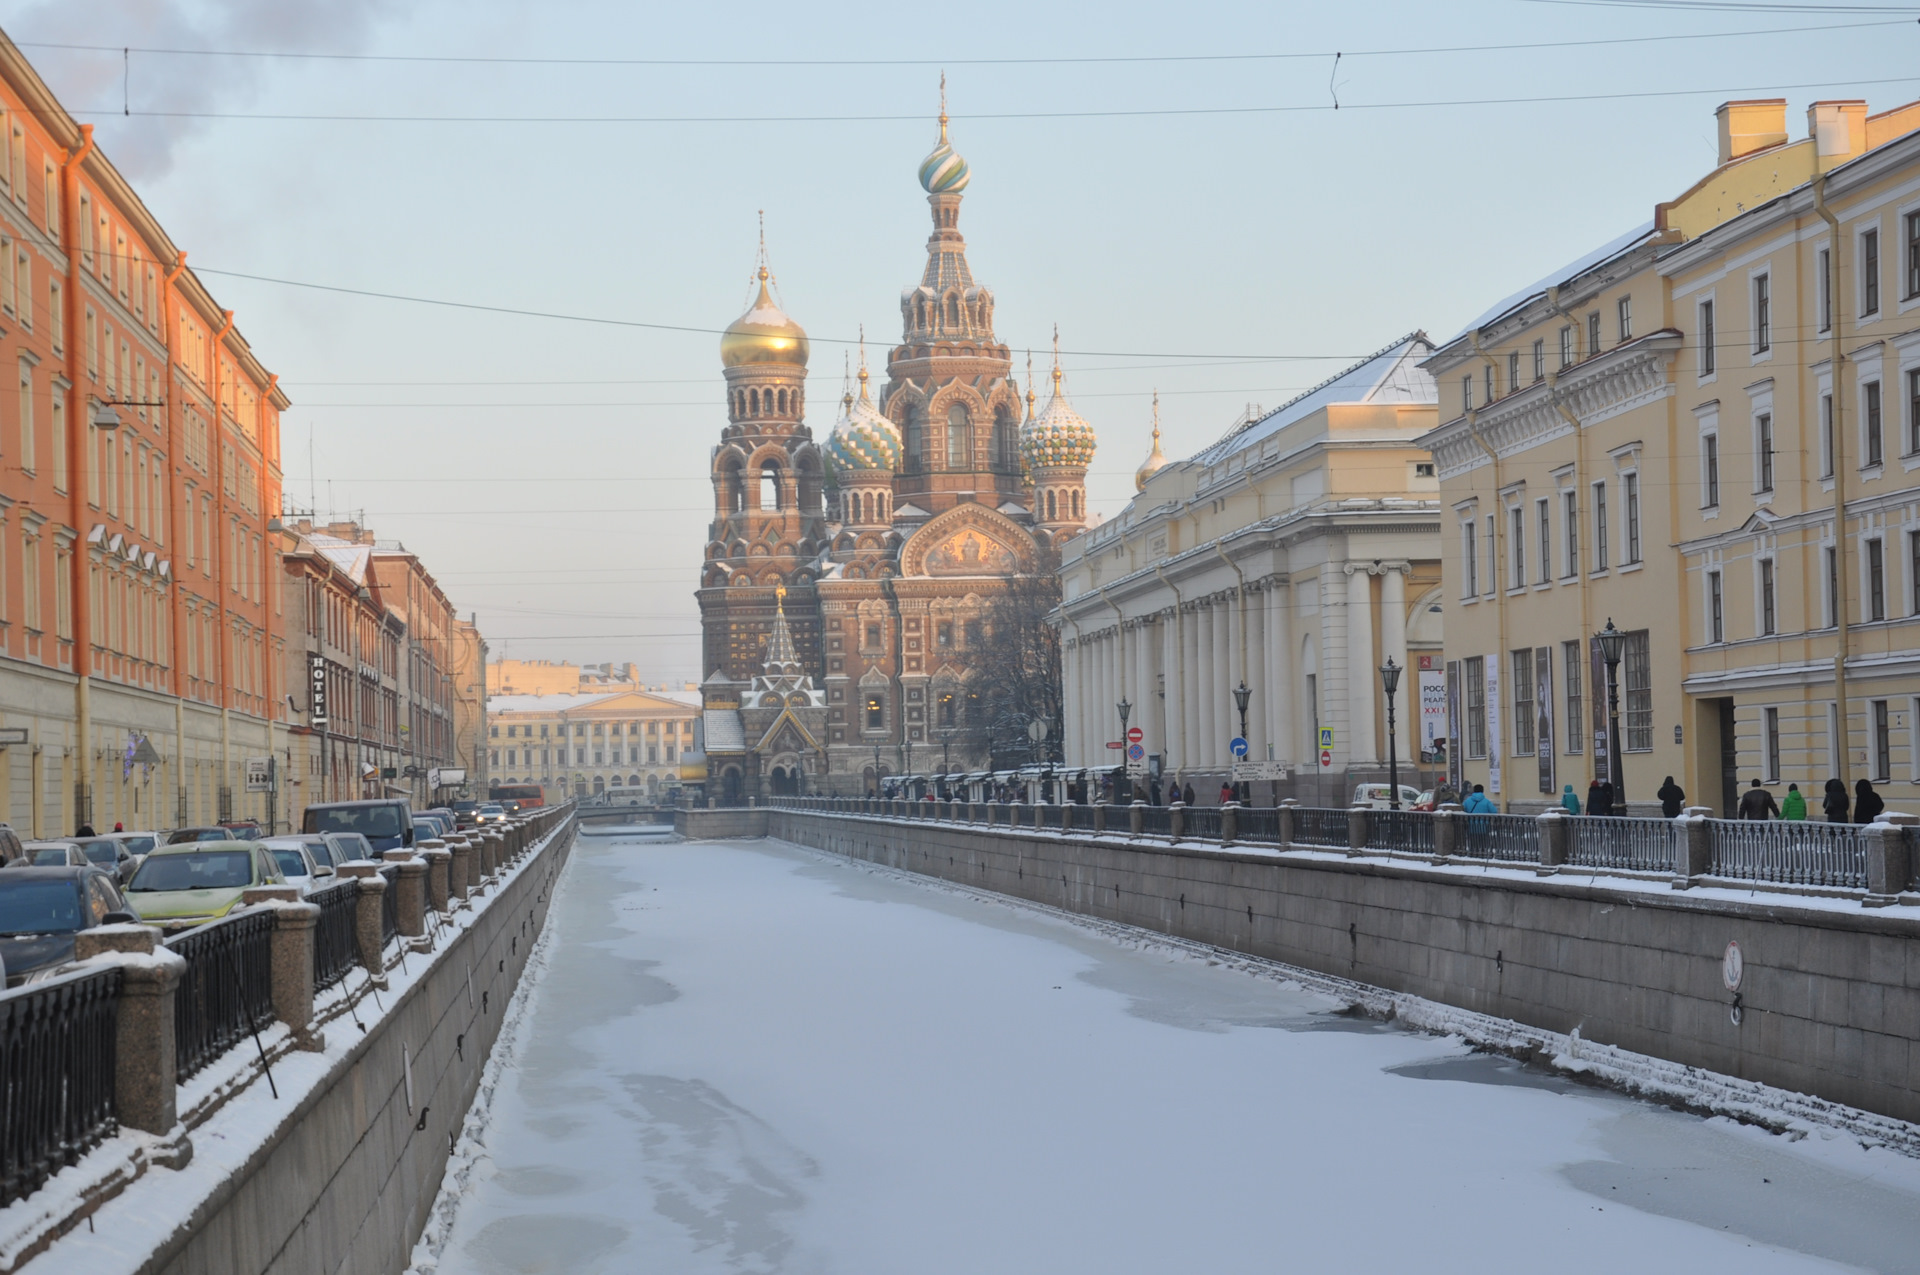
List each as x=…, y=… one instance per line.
x=1870, y=420
x=876, y=713
x=1762, y=314
x=1470, y=557
x=1523, y=703
x=1593, y=333
x=1706, y=339
x=1869, y=272
x=1882, y=743
x=1716, y=614
x=1763, y=450
x=1826, y=435
x=1545, y=549
x=1632, y=482
x=1493, y=559
x=1771, y=721
x=1639, y=693
x=1517, y=547
x=1823, y=280
x=947, y=702
x=1626, y=318
x=1513, y=371
x=1599, y=526
x=1570, y=531
x=1913, y=254
x=1913, y=412
x=943, y=633
x=1766, y=596
x=1710, y=471
x=1466, y=393
x=1476, y=671
x=1570, y=657
x=873, y=637
x=1539, y=361
x=1488, y=396
x=1833, y=587
x=1566, y=347
x=1913, y=577
x=1876, y=579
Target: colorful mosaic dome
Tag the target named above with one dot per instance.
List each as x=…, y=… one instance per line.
x=862, y=440
x=1059, y=437
x=943, y=172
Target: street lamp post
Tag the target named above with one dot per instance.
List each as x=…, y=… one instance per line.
x=1126, y=710
x=1390, y=679
x=876, y=768
x=1241, y=694
x=1612, y=645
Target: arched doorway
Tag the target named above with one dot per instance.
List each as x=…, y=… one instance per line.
x=784, y=781
x=599, y=785
x=730, y=787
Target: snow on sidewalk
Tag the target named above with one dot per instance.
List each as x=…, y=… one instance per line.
x=752, y=1057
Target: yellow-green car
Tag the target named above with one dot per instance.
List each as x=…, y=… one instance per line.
x=191, y=884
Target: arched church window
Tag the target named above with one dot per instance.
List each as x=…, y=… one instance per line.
x=883, y=508
x=782, y=409
x=959, y=437
x=753, y=402
x=946, y=708
x=876, y=713
x=915, y=436
x=1052, y=513
x=1006, y=444
x=769, y=486
x=1076, y=504
x=953, y=311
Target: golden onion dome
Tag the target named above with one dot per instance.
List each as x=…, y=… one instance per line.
x=1156, y=459
x=764, y=334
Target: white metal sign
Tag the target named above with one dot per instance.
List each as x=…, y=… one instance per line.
x=1248, y=771
x=1733, y=966
x=259, y=774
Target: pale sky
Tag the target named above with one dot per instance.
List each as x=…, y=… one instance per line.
x=552, y=474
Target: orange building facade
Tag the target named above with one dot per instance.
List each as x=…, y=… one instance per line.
x=141, y=609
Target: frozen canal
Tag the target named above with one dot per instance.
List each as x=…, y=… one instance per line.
x=749, y=1057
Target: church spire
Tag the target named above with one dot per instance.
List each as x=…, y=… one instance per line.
x=781, y=660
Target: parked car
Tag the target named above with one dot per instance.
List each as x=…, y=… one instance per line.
x=1376, y=796
x=242, y=829
x=386, y=823
x=51, y=854
x=185, y=836
x=306, y=862
x=349, y=846
x=9, y=845
x=426, y=827
x=139, y=844
x=1426, y=801
x=465, y=815
x=192, y=883
x=41, y=909
x=492, y=812
x=111, y=855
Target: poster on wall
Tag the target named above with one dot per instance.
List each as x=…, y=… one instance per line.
x=1493, y=724
x=1543, y=721
x=1433, y=717
x=1597, y=695
x=1454, y=752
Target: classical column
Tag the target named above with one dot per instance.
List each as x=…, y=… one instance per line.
x=1362, y=675
x=1259, y=732
x=1190, y=688
x=1172, y=750
x=1393, y=645
x=1204, y=678
x=1225, y=678
x=1280, y=668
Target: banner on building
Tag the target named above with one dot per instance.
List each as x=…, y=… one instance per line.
x=1493, y=724
x=317, y=690
x=1433, y=717
x=1454, y=751
x=1597, y=693
x=1543, y=720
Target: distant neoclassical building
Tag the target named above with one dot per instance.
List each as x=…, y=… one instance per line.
x=890, y=542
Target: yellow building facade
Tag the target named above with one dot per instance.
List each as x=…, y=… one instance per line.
x=1653, y=436
x=626, y=743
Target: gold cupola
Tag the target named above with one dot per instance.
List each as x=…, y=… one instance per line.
x=764, y=334
x=1156, y=459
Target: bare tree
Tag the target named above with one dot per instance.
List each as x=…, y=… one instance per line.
x=1019, y=683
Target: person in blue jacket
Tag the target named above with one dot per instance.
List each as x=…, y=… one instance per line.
x=1478, y=803
x=1569, y=802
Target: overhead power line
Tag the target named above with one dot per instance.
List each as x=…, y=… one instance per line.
x=121, y=50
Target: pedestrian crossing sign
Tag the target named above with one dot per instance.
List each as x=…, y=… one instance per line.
x=1326, y=737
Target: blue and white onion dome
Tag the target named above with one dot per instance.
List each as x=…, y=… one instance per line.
x=1059, y=437
x=943, y=172
x=862, y=440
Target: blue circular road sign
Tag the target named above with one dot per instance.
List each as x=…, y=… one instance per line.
x=1238, y=747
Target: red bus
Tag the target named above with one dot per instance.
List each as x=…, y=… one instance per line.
x=528, y=795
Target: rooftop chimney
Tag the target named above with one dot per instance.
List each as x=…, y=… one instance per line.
x=1751, y=125
x=1839, y=132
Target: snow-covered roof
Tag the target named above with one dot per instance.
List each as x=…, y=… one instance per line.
x=349, y=557
x=1392, y=375
x=1578, y=266
x=725, y=733
x=573, y=703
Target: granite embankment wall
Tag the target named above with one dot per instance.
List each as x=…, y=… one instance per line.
x=346, y=1182
x=1829, y=1000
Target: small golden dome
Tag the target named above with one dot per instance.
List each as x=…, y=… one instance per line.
x=764, y=334
x=1157, y=459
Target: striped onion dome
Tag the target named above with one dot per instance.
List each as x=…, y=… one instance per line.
x=1059, y=437
x=862, y=440
x=943, y=172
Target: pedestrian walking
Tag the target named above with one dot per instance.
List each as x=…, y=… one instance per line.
x=1478, y=803
x=1794, y=804
x=1569, y=802
x=1600, y=798
x=1153, y=791
x=1673, y=798
x=1835, y=803
x=1757, y=803
x=86, y=830
x=1593, y=796
x=1226, y=793
x=1866, y=802
x=1188, y=795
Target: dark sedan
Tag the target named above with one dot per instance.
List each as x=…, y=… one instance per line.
x=112, y=855
x=41, y=909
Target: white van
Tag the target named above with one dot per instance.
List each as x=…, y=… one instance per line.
x=1377, y=796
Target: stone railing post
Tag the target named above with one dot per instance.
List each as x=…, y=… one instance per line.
x=1066, y=816
x=1137, y=818
x=292, y=961
x=1446, y=831
x=1693, y=848
x=1287, y=820
x=1356, y=830
x=1555, y=835
x=1889, y=859
x=1099, y=819
x=367, y=934
x=143, y=1064
x=439, y=866
x=460, y=874
x=411, y=901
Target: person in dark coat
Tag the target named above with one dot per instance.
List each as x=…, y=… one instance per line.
x=1866, y=802
x=1673, y=798
x=86, y=829
x=1593, y=797
x=1835, y=803
x=1188, y=795
x=1600, y=798
x=1153, y=791
x=1757, y=803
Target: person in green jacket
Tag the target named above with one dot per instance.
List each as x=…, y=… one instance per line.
x=1569, y=801
x=1795, y=805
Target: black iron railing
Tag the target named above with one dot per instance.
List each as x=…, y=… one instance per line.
x=1408, y=830
x=227, y=990
x=1503, y=838
x=1258, y=824
x=1320, y=826
x=1202, y=823
x=334, y=949
x=1155, y=821
x=390, y=904
x=1082, y=818
x=1793, y=852
x=56, y=1076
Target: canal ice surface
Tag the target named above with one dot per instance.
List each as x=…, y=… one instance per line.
x=749, y=1057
